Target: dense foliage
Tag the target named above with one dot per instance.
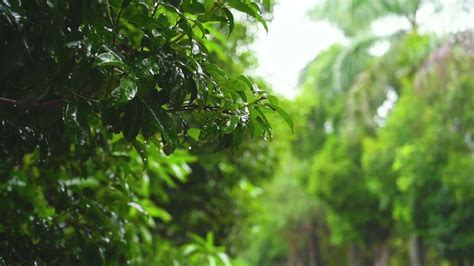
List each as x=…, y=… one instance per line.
x=380, y=168
x=100, y=103
x=129, y=135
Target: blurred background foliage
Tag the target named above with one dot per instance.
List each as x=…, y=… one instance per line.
x=376, y=168
x=379, y=169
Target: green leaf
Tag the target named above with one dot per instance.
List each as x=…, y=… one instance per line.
x=155, y=211
x=141, y=149
x=212, y=260
x=137, y=207
x=194, y=133
x=217, y=74
x=273, y=100
x=164, y=123
x=132, y=119
x=170, y=7
x=245, y=81
x=267, y=4
x=190, y=248
x=237, y=136
x=193, y=7
x=124, y=92
x=76, y=129
x=224, y=258
x=208, y=3
x=211, y=18
x=242, y=7
x=266, y=123
x=209, y=132
x=109, y=59
x=203, y=30
x=210, y=240
x=231, y=124
x=258, y=16
x=134, y=34
x=186, y=27
x=230, y=19
x=283, y=114
x=255, y=123
x=249, y=9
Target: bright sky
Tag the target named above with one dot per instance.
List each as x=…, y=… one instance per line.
x=294, y=39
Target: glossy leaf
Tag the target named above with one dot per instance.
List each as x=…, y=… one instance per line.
x=132, y=119
x=75, y=131
x=230, y=19
x=231, y=124
x=124, y=92
x=109, y=59
x=164, y=123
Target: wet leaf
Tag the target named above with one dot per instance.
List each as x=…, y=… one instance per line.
x=231, y=124
x=124, y=92
x=162, y=121
x=76, y=132
x=132, y=119
x=230, y=19
x=141, y=149
x=186, y=27
x=109, y=59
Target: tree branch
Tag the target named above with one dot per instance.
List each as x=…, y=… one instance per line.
x=193, y=107
x=116, y=24
x=6, y=101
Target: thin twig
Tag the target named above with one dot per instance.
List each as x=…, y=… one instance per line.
x=111, y=17
x=82, y=96
x=116, y=24
x=155, y=9
x=193, y=107
x=50, y=103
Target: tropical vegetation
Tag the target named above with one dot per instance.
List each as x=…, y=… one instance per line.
x=133, y=132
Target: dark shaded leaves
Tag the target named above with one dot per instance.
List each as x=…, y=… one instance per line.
x=75, y=114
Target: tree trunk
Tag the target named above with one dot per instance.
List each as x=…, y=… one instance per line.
x=417, y=251
x=314, y=251
x=294, y=258
x=293, y=254
x=353, y=256
x=382, y=254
